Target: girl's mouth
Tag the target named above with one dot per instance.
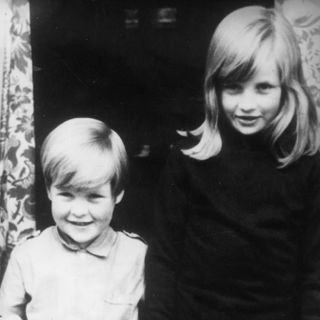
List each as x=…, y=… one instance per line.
x=247, y=119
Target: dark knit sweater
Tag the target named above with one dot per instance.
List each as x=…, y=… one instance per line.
x=237, y=238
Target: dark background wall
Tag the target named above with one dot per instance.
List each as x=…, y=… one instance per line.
x=144, y=81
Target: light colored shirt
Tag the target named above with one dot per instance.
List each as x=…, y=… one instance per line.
x=50, y=279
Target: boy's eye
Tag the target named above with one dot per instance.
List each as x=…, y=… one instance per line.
x=95, y=196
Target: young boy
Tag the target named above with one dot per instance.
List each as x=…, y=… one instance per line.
x=80, y=268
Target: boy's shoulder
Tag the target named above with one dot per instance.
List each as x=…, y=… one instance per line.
x=30, y=235
x=132, y=242
x=134, y=236
x=36, y=242
x=130, y=251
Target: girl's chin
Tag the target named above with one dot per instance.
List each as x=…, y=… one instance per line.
x=248, y=129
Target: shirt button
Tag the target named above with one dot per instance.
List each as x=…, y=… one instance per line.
x=82, y=254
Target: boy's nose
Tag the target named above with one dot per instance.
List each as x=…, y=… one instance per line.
x=79, y=208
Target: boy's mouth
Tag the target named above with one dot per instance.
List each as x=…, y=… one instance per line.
x=80, y=224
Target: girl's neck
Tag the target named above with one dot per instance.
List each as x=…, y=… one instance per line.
x=232, y=136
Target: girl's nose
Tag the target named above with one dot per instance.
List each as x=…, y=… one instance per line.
x=247, y=101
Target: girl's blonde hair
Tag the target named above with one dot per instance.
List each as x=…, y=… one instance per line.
x=82, y=153
x=234, y=55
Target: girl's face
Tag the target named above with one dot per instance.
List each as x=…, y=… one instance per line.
x=250, y=106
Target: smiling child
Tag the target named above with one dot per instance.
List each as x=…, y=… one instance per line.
x=80, y=268
x=237, y=213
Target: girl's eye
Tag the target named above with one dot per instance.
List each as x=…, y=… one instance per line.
x=65, y=194
x=231, y=88
x=264, y=87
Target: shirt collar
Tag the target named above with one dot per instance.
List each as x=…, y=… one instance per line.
x=100, y=249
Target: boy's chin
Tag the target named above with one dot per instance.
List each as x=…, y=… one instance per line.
x=74, y=240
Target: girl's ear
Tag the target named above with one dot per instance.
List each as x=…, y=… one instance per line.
x=48, y=192
x=119, y=197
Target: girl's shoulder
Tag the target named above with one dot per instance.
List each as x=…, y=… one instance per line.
x=184, y=143
x=178, y=149
x=311, y=161
x=177, y=161
x=307, y=167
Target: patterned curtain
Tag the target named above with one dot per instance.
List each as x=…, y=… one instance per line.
x=16, y=127
x=305, y=18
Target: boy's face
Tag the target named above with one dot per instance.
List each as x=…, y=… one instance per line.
x=83, y=215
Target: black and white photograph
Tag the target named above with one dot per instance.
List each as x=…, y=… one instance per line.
x=159, y=160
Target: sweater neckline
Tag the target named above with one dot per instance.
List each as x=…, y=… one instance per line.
x=234, y=138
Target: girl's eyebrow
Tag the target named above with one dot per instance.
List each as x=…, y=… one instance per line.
x=228, y=83
x=271, y=82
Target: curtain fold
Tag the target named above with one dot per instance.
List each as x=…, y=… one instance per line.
x=304, y=16
x=17, y=145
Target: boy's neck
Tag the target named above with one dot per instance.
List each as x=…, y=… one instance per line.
x=106, y=238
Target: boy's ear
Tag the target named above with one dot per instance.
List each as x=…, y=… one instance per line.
x=119, y=197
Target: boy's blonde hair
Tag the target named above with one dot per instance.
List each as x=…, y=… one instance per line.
x=82, y=153
x=234, y=54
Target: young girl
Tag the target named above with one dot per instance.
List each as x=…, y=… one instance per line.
x=238, y=213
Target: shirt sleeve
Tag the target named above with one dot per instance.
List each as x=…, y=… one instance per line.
x=163, y=256
x=12, y=292
x=310, y=275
